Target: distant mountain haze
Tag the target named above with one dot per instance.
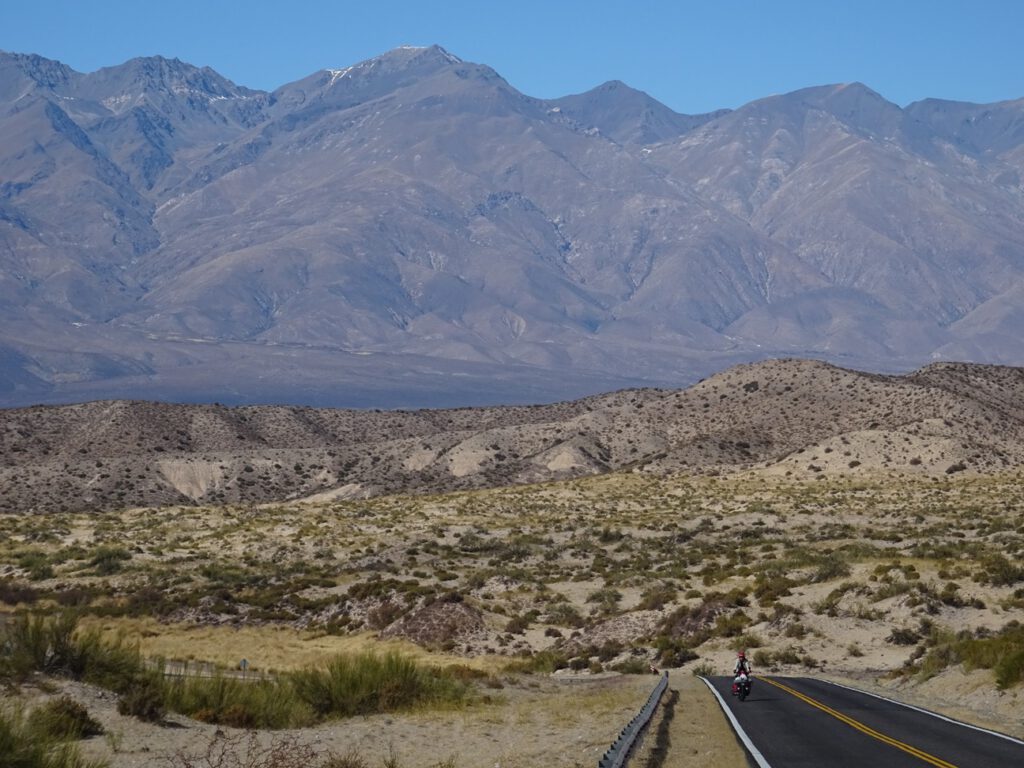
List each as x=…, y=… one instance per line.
x=413, y=231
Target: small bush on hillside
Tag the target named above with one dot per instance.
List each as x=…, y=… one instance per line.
x=830, y=569
x=1002, y=652
x=109, y=560
x=633, y=667
x=657, y=597
x=998, y=571
x=787, y=656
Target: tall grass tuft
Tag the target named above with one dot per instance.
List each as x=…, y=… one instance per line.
x=238, y=703
x=55, y=646
x=64, y=718
x=367, y=683
x=25, y=745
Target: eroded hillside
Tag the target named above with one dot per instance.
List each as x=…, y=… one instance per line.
x=790, y=417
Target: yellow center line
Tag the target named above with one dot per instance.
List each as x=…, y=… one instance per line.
x=863, y=728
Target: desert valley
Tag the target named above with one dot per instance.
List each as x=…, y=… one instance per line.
x=832, y=523
x=394, y=418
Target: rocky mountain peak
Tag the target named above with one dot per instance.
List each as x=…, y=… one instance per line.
x=406, y=59
x=853, y=104
x=627, y=115
x=122, y=86
x=21, y=73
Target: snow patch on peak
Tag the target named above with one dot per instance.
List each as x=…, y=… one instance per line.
x=336, y=74
x=451, y=57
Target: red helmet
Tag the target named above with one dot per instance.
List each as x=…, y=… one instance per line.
x=742, y=654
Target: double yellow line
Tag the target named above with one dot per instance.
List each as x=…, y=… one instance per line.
x=920, y=754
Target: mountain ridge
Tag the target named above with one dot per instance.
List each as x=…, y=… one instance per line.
x=161, y=224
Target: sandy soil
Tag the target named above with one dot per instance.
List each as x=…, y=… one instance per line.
x=562, y=723
x=565, y=722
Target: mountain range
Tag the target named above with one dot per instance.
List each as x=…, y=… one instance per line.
x=413, y=231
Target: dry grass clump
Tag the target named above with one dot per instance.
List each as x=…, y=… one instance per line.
x=358, y=685
x=41, y=739
x=64, y=719
x=346, y=686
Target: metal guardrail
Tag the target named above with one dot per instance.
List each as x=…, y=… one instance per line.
x=205, y=669
x=618, y=754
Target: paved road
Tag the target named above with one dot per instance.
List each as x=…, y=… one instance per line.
x=798, y=721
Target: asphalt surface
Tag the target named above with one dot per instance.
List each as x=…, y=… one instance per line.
x=860, y=730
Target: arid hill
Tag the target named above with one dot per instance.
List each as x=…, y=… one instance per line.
x=795, y=417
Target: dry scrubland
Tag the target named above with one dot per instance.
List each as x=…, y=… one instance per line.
x=797, y=418
x=832, y=522
x=907, y=583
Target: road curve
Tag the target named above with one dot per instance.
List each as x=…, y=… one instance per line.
x=800, y=721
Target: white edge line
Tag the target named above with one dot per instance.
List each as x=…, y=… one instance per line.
x=925, y=712
x=758, y=757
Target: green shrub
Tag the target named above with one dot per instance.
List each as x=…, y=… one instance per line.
x=25, y=745
x=64, y=719
x=564, y=614
x=831, y=568
x=237, y=703
x=787, y=656
x=1002, y=652
x=1010, y=669
x=54, y=645
x=903, y=636
x=606, y=600
x=109, y=560
x=732, y=625
x=656, y=597
x=769, y=588
x=704, y=669
x=998, y=571
x=368, y=683
x=746, y=640
x=517, y=625
x=144, y=700
x=14, y=592
x=673, y=651
x=633, y=667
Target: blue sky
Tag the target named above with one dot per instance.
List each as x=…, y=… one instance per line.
x=693, y=56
